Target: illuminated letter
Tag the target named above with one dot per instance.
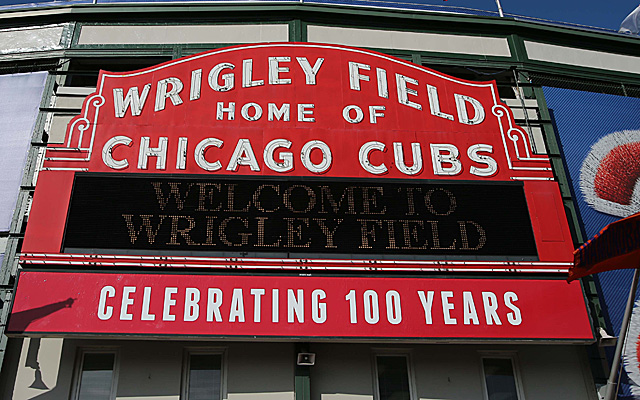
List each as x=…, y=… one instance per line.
x=243, y=155
x=227, y=78
x=346, y=114
x=107, y=152
x=404, y=91
x=374, y=114
x=133, y=99
x=286, y=157
x=275, y=69
x=201, y=149
x=281, y=113
x=463, y=116
x=438, y=159
x=416, y=152
x=354, y=74
x=492, y=165
x=159, y=152
x=303, y=111
x=247, y=74
x=363, y=156
x=434, y=103
x=309, y=72
x=174, y=94
x=244, y=111
x=305, y=156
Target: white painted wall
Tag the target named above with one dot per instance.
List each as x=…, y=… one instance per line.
x=152, y=370
x=435, y=42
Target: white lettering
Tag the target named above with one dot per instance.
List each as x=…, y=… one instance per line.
x=237, y=306
x=490, y=302
x=107, y=152
x=354, y=74
x=447, y=307
x=470, y=313
x=146, y=302
x=162, y=94
x=463, y=116
x=416, y=152
x=104, y=311
x=214, y=301
x=394, y=309
x=159, y=152
x=191, y=306
x=318, y=308
x=515, y=317
x=451, y=157
x=126, y=302
x=247, y=74
x=133, y=99
x=243, y=155
x=214, y=75
x=257, y=306
x=363, y=156
x=404, y=91
x=492, y=165
x=275, y=69
x=310, y=72
x=295, y=306
x=286, y=157
x=168, y=303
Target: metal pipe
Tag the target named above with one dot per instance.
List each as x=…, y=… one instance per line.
x=499, y=8
x=612, y=382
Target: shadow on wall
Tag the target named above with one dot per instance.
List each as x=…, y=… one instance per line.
x=19, y=321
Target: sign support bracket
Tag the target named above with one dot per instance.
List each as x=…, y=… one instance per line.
x=612, y=381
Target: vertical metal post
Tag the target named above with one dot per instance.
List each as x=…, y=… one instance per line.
x=499, y=8
x=613, y=376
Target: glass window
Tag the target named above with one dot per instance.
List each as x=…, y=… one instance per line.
x=204, y=377
x=96, y=376
x=393, y=377
x=500, y=379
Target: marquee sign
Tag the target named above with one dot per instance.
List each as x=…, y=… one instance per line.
x=296, y=155
x=59, y=303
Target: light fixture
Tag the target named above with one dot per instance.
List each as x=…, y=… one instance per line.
x=306, y=358
x=606, y=340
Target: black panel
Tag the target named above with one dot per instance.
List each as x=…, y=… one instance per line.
x=298, y=216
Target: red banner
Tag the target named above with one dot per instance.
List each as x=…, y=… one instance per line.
x=60, y=303
x=617, y=246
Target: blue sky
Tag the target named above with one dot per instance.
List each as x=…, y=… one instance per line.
x=603, y=14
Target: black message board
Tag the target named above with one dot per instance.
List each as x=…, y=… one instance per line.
x=325, y=217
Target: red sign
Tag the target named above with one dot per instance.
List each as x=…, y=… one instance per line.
x=617, y=246
x=296, y=110
x=56, y=303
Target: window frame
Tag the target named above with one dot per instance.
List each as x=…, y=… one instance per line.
x=79, y=363
x=393, y=353
x=505, y=355
x=186, y=364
